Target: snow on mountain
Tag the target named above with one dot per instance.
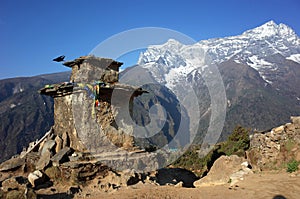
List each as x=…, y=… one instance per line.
x=171, y=62
x=295, y=58
x=272, y=29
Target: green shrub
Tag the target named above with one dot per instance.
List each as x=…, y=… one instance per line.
x=237, y=143
x=189, y=160
x=292, y=166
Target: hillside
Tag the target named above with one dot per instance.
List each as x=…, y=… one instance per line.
x=260, y=72
x=257, y=88
x=25, y=114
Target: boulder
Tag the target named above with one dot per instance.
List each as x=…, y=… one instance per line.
x=21, y=194
x=44, y=161
x=12, y=164
x=14, y=183
x=17, y=187
x=224, y=170
x=61, y=156
x=53, y=173
x=48, y=146
x=59, y=144
x=278, y=130
x=36, y=178
x=79, y=172
x=115, y=180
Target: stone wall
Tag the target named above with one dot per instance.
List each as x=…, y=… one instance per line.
x=273, y=149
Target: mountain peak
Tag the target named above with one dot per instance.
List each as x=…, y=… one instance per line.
x=270, y=29
x=270, y=23
x=173, y=43
x=262, y=41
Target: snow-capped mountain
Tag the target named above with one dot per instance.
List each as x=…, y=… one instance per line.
x=253, y=47
x=260, y=70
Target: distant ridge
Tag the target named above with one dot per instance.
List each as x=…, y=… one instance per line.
x=260, y=70
x=25, y=115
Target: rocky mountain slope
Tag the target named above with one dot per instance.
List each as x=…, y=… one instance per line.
x=263, y=48
x=25, y=115
x=73, y=174
x=260, y=70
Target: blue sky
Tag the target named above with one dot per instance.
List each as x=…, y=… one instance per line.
x=34, y=32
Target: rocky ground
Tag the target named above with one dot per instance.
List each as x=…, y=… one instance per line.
x=44, y=172
x=273, y=185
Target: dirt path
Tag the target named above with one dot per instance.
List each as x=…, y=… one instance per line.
x=264, y=185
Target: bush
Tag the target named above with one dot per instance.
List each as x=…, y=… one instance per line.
x=237, y=143
x=292, y=166
x=189, y=160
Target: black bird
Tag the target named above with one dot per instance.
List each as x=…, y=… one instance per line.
x=59, y=59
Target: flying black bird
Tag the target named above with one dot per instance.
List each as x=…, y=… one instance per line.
x=59, y=59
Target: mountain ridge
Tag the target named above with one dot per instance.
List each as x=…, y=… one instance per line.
x=246, y=48
x=25, y=114
x=270, y=51
x=261, y=84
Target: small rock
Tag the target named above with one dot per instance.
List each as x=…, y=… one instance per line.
x=74, y=154
x=169, y=184
x=65, y=139
x=107, y=187
x=61, y=156
x=74, y=157
x=15, y=194
x=12, y=164
x=59, y=144
x=16, y=187
x=289, y=127
x=14, y=183
x=73, y=190
x=179, y=184
x=278, y=130
x=21, y=194
x=53, y=173
x=245, y=164
x=47, y=147
x=36, y=178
